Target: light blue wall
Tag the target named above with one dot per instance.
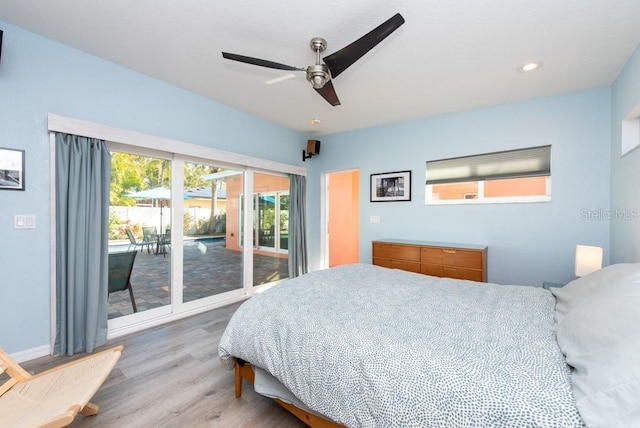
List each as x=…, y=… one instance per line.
x=528, y=243
x=37, y=77
x=625, y=177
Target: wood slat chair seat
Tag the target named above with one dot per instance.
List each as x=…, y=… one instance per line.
x=54, y=397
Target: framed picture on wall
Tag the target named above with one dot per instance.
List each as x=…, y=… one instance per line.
x=391, y=186
x=11, y=169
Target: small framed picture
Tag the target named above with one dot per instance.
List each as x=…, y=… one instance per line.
x=11, y=169
x=391, y=186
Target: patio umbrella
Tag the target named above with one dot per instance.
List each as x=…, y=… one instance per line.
x=157, y=193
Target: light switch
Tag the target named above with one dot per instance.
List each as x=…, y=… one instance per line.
x=24, y=221
x=374, y=219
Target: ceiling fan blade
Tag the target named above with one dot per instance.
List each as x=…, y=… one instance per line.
x=260, y=62
x=329, y=94
x=345, y=57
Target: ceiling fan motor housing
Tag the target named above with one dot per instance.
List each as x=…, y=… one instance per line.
x=318, y=75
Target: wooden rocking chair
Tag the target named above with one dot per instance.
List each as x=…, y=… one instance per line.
x=54, y=397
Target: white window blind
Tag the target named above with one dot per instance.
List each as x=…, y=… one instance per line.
x=529, y=162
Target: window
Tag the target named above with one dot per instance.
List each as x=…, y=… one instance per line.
x=631, y=131
x=522, y=175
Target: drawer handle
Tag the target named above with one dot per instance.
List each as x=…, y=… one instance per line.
x=449, y=251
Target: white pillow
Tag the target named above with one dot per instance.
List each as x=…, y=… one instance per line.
x=601, y=340
x=570, y=296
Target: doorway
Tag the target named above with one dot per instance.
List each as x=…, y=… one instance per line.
x=342, y=217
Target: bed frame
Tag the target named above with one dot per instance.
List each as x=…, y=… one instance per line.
x=243, y=370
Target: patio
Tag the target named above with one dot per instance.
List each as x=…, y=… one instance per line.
x=209, y=269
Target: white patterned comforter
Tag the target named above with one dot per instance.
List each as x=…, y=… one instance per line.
x=374, y=347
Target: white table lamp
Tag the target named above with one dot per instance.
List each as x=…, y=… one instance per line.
x=588, y=259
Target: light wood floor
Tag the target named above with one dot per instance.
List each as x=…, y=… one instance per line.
x=171, y=376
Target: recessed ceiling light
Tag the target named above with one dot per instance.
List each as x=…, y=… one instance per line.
x=530, y=66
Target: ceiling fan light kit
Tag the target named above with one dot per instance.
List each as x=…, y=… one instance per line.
x=324, y=70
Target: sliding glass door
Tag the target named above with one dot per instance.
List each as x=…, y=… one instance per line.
x=212, y=261
x=185, y=221
x=191, y=259
x=139, y=218
x=270, y=228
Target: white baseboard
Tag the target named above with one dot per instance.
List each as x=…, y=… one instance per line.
x=32, y=354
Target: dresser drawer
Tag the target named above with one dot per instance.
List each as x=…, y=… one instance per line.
x=441, y=259
x=452, y=257
x=397, y=264
x=451, y=272
x=396, y=251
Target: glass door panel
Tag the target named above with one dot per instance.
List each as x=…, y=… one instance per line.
x=271, y=225
x=266, y=222
x=139, y=216
x=284, y=223
x=212, y=258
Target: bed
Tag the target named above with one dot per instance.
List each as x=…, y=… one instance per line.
x=366, y=346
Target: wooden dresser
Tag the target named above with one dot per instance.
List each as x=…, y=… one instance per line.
x=443, y=259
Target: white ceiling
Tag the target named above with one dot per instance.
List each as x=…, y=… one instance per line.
x=449, y=56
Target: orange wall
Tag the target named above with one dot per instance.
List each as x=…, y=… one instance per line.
x=516, y=186
x=234, y=189
x=262, y=183
x=343, y=217
x=455, y=190
x=494, y=188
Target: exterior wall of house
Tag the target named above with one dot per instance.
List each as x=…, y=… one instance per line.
x=262, y=183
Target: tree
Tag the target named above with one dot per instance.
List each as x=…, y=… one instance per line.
x=193, y=179
x=132, y=173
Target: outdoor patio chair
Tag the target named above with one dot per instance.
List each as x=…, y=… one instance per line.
x=150, y=236
x=120, y=268
x=133, y=242
x=54, y=397
x=164, y=242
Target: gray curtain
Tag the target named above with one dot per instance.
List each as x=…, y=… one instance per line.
x=297, y=226
x=83, y=168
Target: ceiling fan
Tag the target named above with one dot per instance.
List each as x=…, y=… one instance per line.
x=321, y=73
